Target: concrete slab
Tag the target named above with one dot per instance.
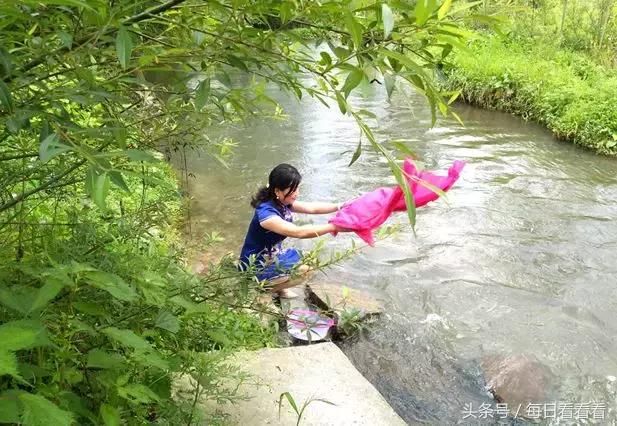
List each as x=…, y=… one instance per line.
x=314, y=371
x=334, y=297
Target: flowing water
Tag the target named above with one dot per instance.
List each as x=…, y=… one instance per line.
x=516, y=260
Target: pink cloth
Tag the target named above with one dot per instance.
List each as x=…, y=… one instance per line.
x=365, y=214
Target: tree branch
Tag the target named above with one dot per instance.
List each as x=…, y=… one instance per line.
x=136, y=18
x=21, y=197
x=18, y=157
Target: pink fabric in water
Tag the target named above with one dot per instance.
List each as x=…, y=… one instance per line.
x=365, y=214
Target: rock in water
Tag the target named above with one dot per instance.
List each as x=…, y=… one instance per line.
x=518, y=380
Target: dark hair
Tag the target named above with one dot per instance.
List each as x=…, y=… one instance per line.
x=281, y=177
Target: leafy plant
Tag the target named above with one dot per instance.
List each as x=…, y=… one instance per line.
x=299, y=410
x=351, y=322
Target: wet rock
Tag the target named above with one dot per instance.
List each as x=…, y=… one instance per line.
x=518, y=380
x=335, y=297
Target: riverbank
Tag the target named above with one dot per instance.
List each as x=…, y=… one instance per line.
x=564, y=91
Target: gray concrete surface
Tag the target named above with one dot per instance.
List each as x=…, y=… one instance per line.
x=314, y=371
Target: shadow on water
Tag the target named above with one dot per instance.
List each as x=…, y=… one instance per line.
x=518, y=258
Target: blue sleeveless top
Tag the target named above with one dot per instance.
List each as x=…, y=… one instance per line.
x=259, y=241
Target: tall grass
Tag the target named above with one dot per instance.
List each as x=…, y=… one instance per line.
x=572, y=96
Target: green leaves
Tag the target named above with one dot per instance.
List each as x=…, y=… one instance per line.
x=74, y=3
x=9, y=408
x=39, y=411
x=6, y=66
x=112, y=284
x=291, y=401
x=353, y=79
x=342, y=104
x=97, y=186
x=357, y=153
x=236, y=62
x=409, y=200
x=6, y=101
x=127, y=338
x=8, y=364
x=406, y=61
x=124, y=46
x=137, y=393
x=201, y=94
x=110, y=415
x=325, y=58
x=423, y=10
x=139, y=155
x=285, y=12
x=51, y=146
x=17, y=406
x=390, y=81
x=117, y=179
x=46, y=294
x=98, y=358
x=22, y=334
x=443, y=10
x=355, y=29
x=388, y=20
x=167, y=321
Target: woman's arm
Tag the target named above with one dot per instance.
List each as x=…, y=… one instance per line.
x=288, y=229
x=314, y=208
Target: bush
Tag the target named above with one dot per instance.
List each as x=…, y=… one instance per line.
x=97, y=320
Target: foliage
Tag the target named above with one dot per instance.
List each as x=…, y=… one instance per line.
x=88, y=87
x=585, y=26
x=351, y=322
x=98, y=335
x=299, y=410
x=565, y=91
x=97, y=313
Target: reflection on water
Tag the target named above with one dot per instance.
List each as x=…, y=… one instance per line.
x=518, y=259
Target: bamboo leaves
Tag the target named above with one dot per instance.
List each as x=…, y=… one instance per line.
x=388, y=20
x=124, y=46
x=97, y=186
x=443, y=9
x=356, y=153
x=6, y=101
x=51, y=147
x=201, y=94
x=355, y=29
x=353, y=79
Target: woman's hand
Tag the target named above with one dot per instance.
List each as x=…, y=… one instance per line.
x=341, y=229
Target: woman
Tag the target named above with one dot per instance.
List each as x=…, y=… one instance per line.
x=272, y=223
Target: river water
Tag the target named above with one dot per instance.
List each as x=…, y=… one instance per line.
x=516, y=259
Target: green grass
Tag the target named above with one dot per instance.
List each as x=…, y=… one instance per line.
x=565, y=91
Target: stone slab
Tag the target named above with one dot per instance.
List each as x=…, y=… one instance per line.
x=313, y=371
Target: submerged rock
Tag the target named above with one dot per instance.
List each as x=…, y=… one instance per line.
x=518, y=381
